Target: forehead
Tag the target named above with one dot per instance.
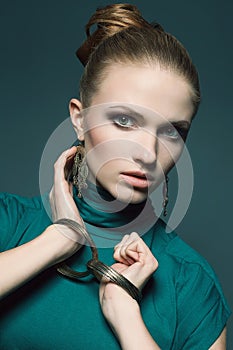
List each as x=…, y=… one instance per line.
x=150, y=87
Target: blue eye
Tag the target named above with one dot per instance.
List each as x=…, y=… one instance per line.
x=170, y=132
x=124, y=121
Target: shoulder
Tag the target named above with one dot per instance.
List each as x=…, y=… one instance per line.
x=202, y=310
x=13, y=206
x=188, y=264
x=194, y=270
x=185, y=255
x=16, y=213
x=16, y=202
x=171, y=247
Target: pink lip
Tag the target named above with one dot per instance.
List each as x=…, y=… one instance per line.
x=137, y=178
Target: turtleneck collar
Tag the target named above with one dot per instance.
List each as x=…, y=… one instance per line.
x=108, y=219
x=100, y=208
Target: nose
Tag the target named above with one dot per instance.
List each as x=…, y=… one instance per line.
x=145, y=151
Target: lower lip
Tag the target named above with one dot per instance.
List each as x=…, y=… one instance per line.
x=135, y=181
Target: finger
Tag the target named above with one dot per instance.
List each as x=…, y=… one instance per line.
x=139, y=251
x=59, y=165
x=119, y=248
x=120, y=258
x=66, y=155
x=71, y=188
x=120, y=253
x=51, y=194
x=123, y=256
x=127, y=239
x=124, y=239
x=136, y=248
x=61, y=195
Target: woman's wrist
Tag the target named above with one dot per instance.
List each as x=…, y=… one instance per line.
x=114, y=301
x=59, y=245
x=124, y=317
x=118, y=307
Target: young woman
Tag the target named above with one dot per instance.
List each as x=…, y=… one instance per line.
x=138, y=96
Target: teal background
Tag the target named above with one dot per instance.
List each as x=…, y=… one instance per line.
x=39, y=73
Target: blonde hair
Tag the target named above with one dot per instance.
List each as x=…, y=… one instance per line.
x=124, y=36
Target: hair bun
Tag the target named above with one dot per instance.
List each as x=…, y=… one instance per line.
x=110, y=20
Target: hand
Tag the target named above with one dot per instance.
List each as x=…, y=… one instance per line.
x=61, y=195
x=134, y=261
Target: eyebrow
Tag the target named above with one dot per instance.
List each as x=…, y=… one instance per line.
x=184, y=124
x=127, y=109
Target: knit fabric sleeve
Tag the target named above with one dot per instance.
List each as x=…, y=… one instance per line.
x=12, y=209
x=202, y=310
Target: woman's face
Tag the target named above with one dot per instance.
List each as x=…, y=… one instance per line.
x=134, y=130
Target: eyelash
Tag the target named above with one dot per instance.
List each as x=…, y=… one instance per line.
x=116, y=120
x=179, y=131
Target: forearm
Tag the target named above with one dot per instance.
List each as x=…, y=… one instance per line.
x=124, y=316
x=134, y=261
x=21, y=264
x=133, y=334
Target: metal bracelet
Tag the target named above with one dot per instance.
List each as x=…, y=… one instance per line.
x=94, y=266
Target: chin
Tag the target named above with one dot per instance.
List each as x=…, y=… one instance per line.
x=129, y=194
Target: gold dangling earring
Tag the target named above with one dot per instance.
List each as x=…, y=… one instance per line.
x=80, y=170
x=165, y=195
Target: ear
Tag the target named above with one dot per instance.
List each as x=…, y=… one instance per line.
x=75, y=107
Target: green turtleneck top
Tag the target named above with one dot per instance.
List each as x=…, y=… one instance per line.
x=183, y=305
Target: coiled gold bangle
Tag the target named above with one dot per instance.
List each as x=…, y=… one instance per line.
x=94, y=266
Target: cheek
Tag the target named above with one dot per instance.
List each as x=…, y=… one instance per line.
x=104, y=153
x=106, y=144
x=93, y=137
x=168, y=155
